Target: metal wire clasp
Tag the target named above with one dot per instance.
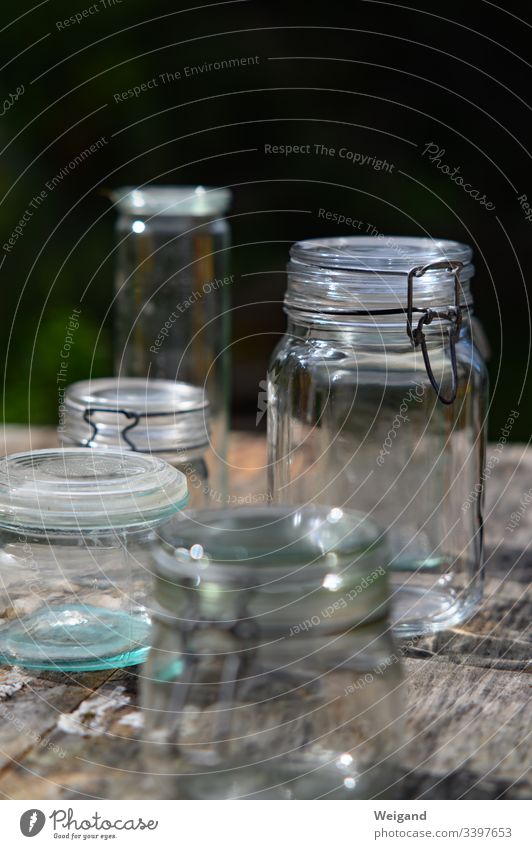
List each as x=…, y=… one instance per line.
x=129, y=414
x=453, y=314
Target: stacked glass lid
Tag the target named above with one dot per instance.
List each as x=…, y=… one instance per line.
x=72, y=488
x=163, y=417
x=76, y=530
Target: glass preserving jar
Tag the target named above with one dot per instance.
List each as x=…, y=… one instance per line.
x=77, y=529
x=272, y=673
x=173, y=293
x=162, y=417
x=377, y=399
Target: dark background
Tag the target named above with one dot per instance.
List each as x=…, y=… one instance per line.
x=379, y=78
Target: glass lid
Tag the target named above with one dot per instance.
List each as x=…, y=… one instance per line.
x=159, y=416
x=370, y=274
x=378, y=253
x=281, y=537
x=80, y=488
x=171, y=200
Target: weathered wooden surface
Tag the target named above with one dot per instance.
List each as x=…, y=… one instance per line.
x=468, y=714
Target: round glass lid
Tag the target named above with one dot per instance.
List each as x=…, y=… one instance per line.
x=80, y=488
x=378, y=253
x=370, y=273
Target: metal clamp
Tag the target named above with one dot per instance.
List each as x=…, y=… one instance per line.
x=134, y=418
x=129, y=414
x=453, y=314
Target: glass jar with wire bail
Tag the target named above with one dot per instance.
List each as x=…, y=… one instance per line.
x=77, y=531
x=272, y=673
x=162, y=417
x=377, y=400
x=172, y=297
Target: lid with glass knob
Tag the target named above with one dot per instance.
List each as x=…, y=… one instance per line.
x=68, y=489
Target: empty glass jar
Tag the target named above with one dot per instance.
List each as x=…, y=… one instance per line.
x=377, y=401
x=173, y=293
x=77, y=529
x=162, y=417
x=272, y=672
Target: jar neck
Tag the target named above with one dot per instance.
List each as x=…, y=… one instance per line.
x=384, y=332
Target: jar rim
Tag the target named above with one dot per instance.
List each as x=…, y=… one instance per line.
x=360, y=275
x=261, y=543
x=80, y=488
x=168, y=200
x=378, y=253
x=137, y=414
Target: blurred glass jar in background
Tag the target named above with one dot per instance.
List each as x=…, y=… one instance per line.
x=372, y=409
x=77, y=529
x=162, y=417
x=172, y=293
x=272, y=673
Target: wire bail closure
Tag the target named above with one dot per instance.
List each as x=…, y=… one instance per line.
x=453, y=314
x=133, y=418
x=124, y=431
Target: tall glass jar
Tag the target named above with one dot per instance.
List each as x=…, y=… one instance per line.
x=77, y=530
x=162, y=417
x=173, y=293
x=377, y=401
x=272, y=673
